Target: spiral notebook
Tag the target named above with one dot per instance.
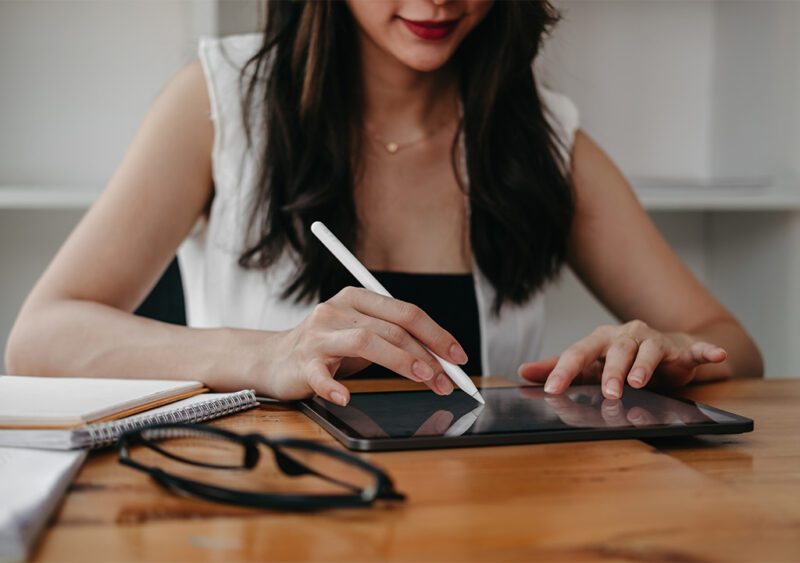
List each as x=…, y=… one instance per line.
x=193, y=409
x=70, y=402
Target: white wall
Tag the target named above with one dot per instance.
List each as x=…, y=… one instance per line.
x=77, y=78
x=686, y=90
x=641, y=72
x=239, y=16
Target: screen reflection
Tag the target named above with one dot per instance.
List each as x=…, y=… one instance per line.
x=509, y=410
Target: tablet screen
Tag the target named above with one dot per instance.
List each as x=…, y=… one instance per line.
x=510, y=410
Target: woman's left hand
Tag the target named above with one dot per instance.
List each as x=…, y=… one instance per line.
x=631, y=352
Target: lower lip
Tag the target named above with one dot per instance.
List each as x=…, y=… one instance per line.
x=430, y=32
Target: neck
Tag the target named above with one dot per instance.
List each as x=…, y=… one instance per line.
x=401, y=101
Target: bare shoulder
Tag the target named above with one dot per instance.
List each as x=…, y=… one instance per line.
x=185, y=98
x=172, y=149
x=190, y=82
x=598, y=183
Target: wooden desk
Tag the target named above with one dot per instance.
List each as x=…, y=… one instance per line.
x=718, y=498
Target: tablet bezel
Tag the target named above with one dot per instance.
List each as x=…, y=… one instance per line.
x=351, y=440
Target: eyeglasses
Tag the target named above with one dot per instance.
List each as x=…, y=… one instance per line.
x=208, y=447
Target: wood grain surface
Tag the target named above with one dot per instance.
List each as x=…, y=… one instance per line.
x=718, y=498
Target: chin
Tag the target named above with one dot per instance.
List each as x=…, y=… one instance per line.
x=425, y=61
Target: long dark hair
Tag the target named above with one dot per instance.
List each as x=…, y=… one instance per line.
x=304, y=87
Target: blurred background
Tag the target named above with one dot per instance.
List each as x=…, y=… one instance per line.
x=698, y=101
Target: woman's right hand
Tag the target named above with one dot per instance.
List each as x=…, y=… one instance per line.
x=348, y=332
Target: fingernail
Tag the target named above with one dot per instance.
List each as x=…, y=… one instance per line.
x=637, y=376
x=443, y=384
x=614, y=389
x=422, y=370
x=718, y=351
x=338, y=398
x=551, y=386
x=457, y=354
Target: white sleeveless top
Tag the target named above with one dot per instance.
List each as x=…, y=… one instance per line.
x=220, y=293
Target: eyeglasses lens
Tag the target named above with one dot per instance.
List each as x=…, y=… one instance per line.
x=205, y=457
x=191, y=454
x=329, y=473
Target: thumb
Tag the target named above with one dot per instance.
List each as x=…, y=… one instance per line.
x=321, y=381
x=700, y=353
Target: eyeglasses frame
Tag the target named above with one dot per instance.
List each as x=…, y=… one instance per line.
x=382, y=488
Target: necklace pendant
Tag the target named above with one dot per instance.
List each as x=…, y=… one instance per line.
x=392, y=148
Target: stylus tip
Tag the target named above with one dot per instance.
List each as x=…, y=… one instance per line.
x=477, y=396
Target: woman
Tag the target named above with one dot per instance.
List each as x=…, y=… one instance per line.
x=415, y=129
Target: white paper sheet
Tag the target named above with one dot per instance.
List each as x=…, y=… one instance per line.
x=32, y=483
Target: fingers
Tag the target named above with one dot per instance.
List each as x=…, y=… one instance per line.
x=363, y=343
x=409, y=316
x=398, y=336
x=320, y=379
x=632, y=352
x=436, y=379
x=704, y=353
x=443, y=384
x=575, y=359
x=619, y=358
x=654, y=352
x=537, y=371
x=344, y=332
x=697, y=354
x=650, y=354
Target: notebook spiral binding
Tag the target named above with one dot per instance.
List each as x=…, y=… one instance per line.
x=107, y=433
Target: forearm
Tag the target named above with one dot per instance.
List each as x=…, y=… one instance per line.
x=82, y=338
x=743, y=358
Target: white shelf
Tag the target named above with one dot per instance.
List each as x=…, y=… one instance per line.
x=662, y=198
x=701, y=198
x=50, y=197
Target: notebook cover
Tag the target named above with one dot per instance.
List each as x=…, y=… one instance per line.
x=33, y=393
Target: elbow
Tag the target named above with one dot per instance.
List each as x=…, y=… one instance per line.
x=757, y=367
x=745, y=360
x=20, y=358
x=13, y=358
x=750, y=361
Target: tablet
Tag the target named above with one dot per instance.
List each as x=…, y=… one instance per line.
x=407, y=420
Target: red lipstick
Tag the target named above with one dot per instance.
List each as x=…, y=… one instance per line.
x=431, y=29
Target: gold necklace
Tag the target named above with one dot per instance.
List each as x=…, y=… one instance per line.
x=393, y=147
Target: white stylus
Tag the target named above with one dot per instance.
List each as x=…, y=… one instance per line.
x=366, y=279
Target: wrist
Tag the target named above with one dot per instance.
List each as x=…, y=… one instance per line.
x=246, y=359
